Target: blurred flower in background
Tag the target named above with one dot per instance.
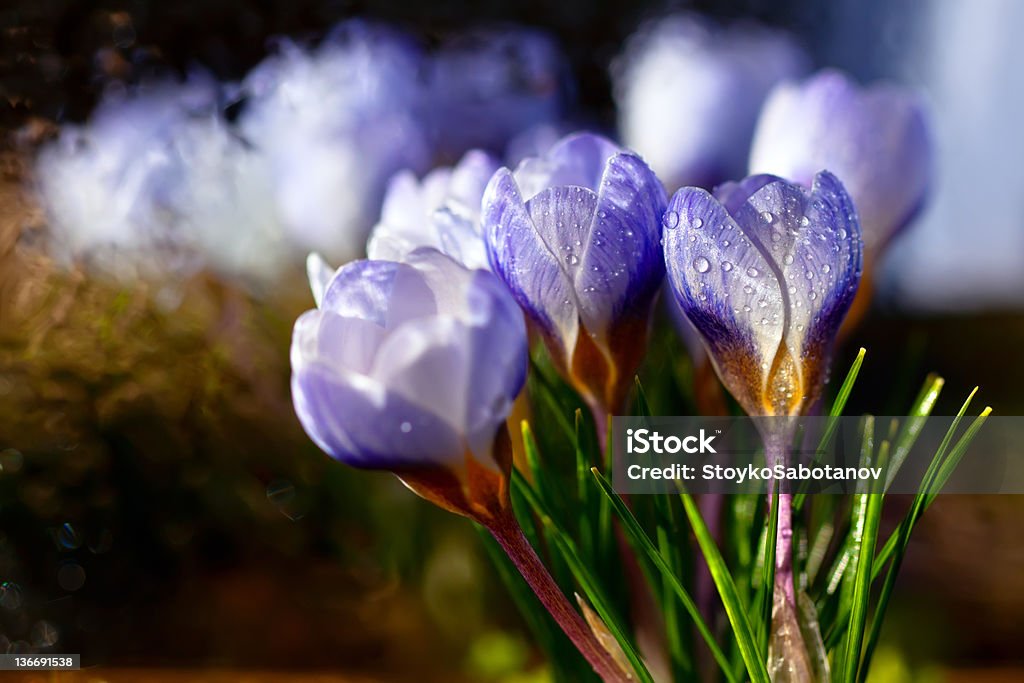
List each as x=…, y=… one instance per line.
x=488, y=86
x=158, y=184
x=441, y=211
x=335, y=123
x=689, y=91
x=875, y=139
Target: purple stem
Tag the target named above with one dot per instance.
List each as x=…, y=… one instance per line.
x=509, y=535
x=776, y=452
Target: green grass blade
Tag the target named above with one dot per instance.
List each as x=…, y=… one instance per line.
x=834, y=414
x=643, y=543
x=902, y=540
x=768, y=578
x=734, y=608
x=862, y=576
x=918, y=417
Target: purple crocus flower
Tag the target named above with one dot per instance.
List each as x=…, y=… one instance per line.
x=441, y=211
x=875, y=139
x=689, y=91
x=412, y=367
x=575, y=235
x=335, y=123
x=766, y=270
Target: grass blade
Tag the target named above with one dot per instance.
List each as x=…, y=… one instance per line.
x=862, y=576
x=643, y=543
x=734, y=609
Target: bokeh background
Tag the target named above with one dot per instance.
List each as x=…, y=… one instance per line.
x=160, y=507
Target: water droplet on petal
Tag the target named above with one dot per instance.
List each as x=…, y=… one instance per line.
x=805, y=221
x=787, y=259
x=701, y=264
x=767, y=216
x=671, y=220
x=752, y=271
x=572, y=259
x=726, y=266
x=826, y=268
x=842, y=233
x=406, y=427
x=696, y=222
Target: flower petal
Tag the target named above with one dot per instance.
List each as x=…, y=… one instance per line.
x=725, y=286
x=622, y=264
x=577, y=160
x=520, y=256
x=356, y=420
x=319, y=273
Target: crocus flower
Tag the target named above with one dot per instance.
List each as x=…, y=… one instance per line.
x=874, y=139
x=441, y=211
x=336, y=122
x=575, y=235
x=488, y=86
x=412, y=368
x=765, y=270
x=689, y=91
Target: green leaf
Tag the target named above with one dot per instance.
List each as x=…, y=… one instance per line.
x=767, y=591
x=641, y=542
x=901, y=538
x=862, y=577
x=734, y=608
x=834, y=414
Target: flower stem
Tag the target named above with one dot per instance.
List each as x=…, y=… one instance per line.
x=777, y=453
x=509, y=535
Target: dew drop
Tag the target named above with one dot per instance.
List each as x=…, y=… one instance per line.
x=787, y=259
x=726, y=266
x=767, y=216
x=826, y=268
x=809, y=274
x=805, y=221
x=752, y=271
x=572, y=259
x=697, y=222
x=671, y=220
x=701, y=264
x=406, y=427
x=842, y=233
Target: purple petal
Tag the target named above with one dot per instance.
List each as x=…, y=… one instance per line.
x=622, y=265
x=578, y=160
x=359, y=422
x=527, y=265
